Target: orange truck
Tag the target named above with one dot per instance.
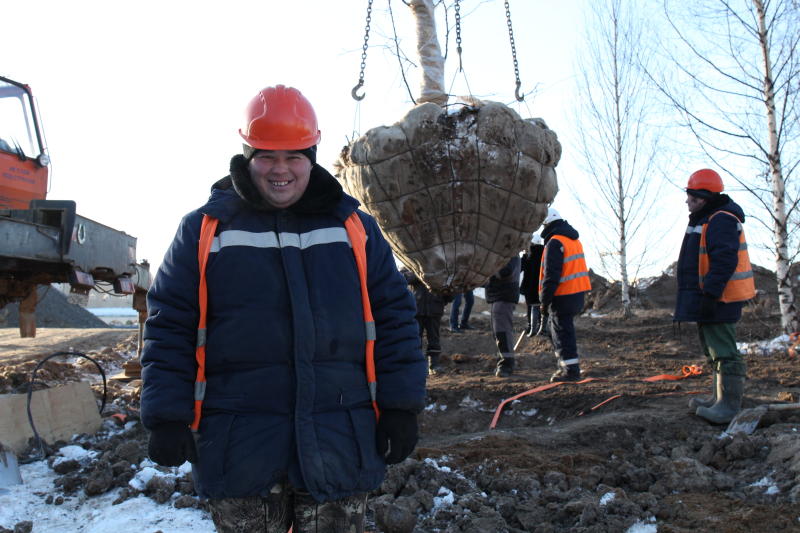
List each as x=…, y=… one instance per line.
x=45, y=241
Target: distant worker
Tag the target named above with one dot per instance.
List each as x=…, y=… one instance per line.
x=531, y=262
x=456, y=324
x=714, y=293
x=502, y=294
x=271, y=305
x=563, y=282
x=430, y=309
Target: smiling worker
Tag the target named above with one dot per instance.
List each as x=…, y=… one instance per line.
x=281, y=331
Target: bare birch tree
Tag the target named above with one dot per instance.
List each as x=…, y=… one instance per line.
x=618, y=148
x=735, y=84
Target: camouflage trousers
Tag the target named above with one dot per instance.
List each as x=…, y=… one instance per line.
x=287, y=507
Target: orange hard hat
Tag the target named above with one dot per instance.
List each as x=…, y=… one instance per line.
x=280, y=118
x=706, y=179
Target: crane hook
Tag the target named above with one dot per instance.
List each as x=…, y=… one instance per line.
x=520, y=97
x=354, y=92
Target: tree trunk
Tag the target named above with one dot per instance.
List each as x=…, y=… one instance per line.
x=430, y=54
x=621, y=216
x=782, y=265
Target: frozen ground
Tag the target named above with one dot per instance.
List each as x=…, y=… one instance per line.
x=83, y=514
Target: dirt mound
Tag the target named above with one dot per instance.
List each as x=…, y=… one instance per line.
x=617, y=453
x=659, y=292
x=54, y=310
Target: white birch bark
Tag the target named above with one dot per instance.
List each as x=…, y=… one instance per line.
x=779, y=217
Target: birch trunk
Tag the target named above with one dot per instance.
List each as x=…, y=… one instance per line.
x=779, y=218
x=618, y=118
x=430, y=54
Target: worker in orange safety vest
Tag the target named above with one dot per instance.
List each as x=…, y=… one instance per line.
x=715, y=278
x=563, y=282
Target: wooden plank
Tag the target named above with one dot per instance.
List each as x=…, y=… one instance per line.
x=58, y=413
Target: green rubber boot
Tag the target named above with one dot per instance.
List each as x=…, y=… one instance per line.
x=705, y=401
x=730, y=390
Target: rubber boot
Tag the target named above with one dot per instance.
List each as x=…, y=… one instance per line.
x=433, y=365
x=505, y=367
x=570, y=373
x=706, y=401
x=730, y=390
x=536, y=318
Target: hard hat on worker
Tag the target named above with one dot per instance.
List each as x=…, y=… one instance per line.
x=704, y=183
x=552, y=216
x=280, y=118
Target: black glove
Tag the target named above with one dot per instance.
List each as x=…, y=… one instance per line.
x=397, y=434
x=172, y=444
x=544, y=317
x=708, y=307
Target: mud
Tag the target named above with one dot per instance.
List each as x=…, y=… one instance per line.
x=616, y=453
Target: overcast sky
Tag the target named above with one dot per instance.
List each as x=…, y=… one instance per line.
x=141, y=102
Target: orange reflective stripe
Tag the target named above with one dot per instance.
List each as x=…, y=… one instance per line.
x=741, y=286
x=207, y=231
x=358, y=239
x=574, y=272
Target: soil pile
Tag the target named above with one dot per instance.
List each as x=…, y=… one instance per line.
x=610, y=454
x=659, y=292
x=54, y=310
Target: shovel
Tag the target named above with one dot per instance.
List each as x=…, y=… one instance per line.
x=746, y=421
x=519, y=341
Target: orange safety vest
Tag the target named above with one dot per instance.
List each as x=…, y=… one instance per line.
x=574, y=273
x=358, y=239
x=741, y=286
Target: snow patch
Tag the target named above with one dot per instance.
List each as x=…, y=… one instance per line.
x=445, y=497
x=470, y=403
x=143, y=476
x=770, y=487
x=81, y=514
x=435, y=464
x=74, y=452
x=607, y=498
x=764, y=348
x=643, y=527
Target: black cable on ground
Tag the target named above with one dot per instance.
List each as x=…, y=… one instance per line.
x=39, y=441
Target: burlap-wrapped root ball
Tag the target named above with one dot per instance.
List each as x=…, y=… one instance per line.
x=457, y=193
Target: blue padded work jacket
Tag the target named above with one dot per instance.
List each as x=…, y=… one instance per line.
x=287, y=395
x=722, y=237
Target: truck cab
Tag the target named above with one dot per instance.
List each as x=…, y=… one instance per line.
x=24, y=163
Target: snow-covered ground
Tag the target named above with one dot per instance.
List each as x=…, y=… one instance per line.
x=767, y=347
x=81, y=514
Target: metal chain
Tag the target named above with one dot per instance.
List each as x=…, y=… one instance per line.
x=458, y=33
x=518, y=96
x=354, y=92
